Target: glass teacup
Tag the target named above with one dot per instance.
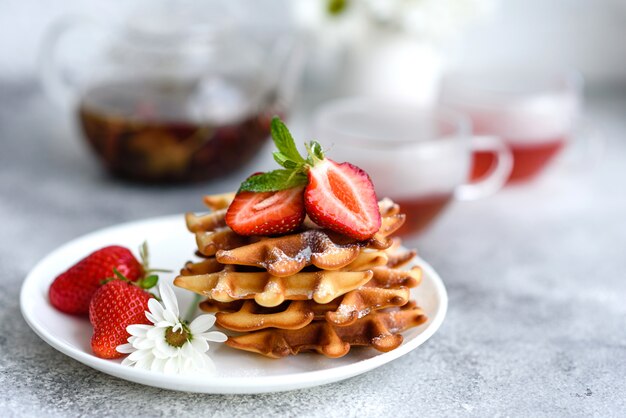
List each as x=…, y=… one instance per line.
x=533, y=112
x=420, y=158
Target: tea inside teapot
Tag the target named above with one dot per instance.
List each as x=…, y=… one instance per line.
x=155, y=130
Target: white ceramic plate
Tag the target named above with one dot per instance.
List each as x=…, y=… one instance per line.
x=238, y=372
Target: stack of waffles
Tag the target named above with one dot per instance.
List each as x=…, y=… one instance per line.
x=311, y=290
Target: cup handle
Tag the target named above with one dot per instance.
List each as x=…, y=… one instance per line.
x=53, y=74
x=496, y=177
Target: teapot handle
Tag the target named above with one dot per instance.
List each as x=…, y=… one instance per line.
x=55, y=76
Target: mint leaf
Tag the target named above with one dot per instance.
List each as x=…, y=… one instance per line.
x=284, y=141
x=282, y=160
x=273, y=181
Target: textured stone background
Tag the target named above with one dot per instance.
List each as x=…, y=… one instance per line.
x=536, y=277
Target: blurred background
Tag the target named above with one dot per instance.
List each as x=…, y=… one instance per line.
x=579, y=33
x=229, y=66
x=499, y=126
x=162, y=93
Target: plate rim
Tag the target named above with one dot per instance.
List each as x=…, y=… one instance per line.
x=221, y=384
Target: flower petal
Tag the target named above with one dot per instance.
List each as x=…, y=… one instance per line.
x=199, y=344
x=188, y=366
x=143, y=343
x=209, y=365
x=201, y=323
x=187, y=350
x=156, y=334
x=158, y=364
x=216, y=336
x=151, y=317
x=138, y=330
x=159, y=354
x=127, y=362
x=204, y=362
x=156, y=309
x=171, y=318
x=169, y=298
x=164, y=324
x=180, y=364
x=145, y=362
x=170, y=366
x=125, y=348
x=138, y=355
x=165, y=348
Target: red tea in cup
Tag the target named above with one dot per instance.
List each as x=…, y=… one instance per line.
x=420, y=158
x=533, y=113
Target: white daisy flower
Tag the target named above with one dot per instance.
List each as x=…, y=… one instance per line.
x=170, y=345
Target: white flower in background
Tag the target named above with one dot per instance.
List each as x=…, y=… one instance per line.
x=428, y=20
x=170, y=345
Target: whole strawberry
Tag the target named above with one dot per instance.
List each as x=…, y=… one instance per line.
x=114, y=306
x=72, y=290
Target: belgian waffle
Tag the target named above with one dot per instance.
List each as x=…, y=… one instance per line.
x=313, y=289
x=380, y=330
x=290, y=253
x=228, y=284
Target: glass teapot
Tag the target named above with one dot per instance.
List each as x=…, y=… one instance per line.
x=174, y=93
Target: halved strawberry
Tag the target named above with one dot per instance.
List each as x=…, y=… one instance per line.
x=341, y=197
x=266, y=213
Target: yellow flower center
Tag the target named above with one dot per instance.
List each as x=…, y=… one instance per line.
x=176, y=338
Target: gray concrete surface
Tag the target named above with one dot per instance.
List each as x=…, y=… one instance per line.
x=536, y=277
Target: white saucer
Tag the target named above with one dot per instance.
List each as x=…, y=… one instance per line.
x=238, y=372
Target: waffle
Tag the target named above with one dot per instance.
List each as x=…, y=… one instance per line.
x=249, y=316
x=365, y=260
x=219, y=201
x=387, y=288
x=286, y=255
x=379, y=330
x=365, y=283
x=227, y=285
x=313, y=289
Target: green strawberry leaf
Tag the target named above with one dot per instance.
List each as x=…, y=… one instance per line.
x=316, y=149
x=149, y=281
x=284, y=141
x=315, y=153
x=273, y=181
x=119, y=275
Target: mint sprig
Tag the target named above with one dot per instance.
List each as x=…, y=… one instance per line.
x=295, y=167
x=287, y=150
x=274, y=180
